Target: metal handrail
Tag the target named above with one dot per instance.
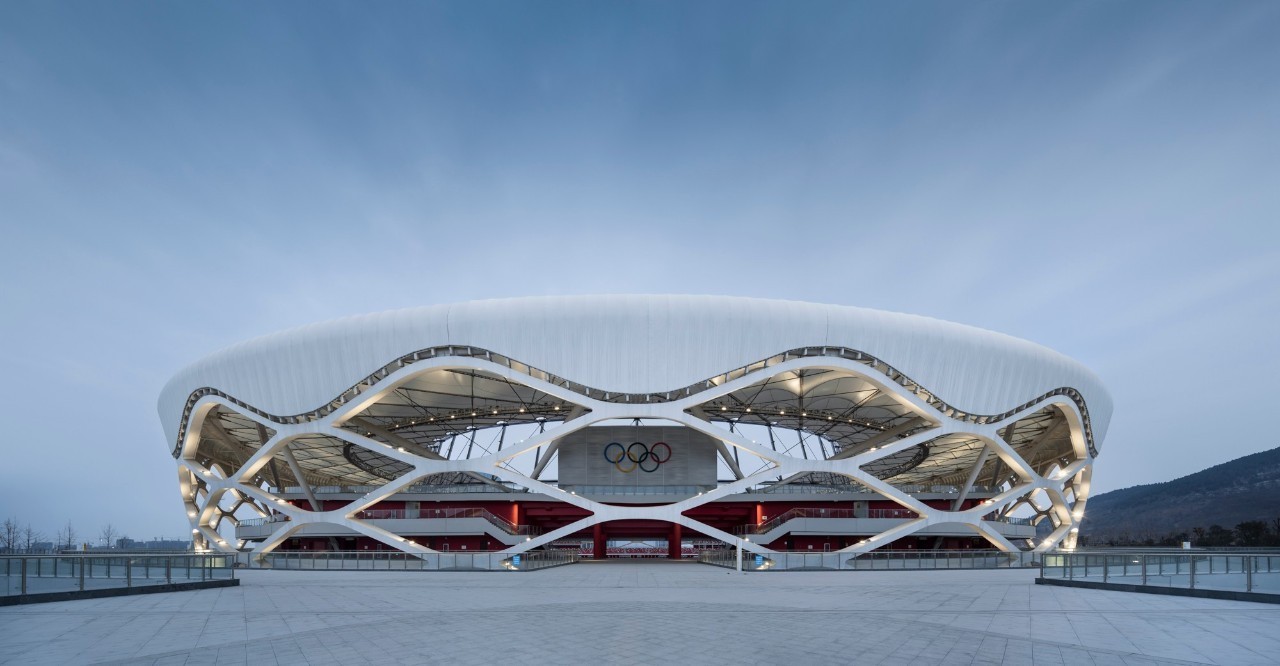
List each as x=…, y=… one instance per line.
x=441, y=514
x=401, y=560
x=31, y=574
x=422, y=514
x=420, y=489
x=804, y=512
x=1186, y=569
x=876, y=559
x=274, y=518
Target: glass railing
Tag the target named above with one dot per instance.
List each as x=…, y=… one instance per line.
x=1232, y=572
x=34, y=575
x=400, y=561
x=444, y=514
x=420, y=514
x=872, y=561
x=824, y=488
x=507, y=486
x=805, y=489
x=418, y=489
x=638, y=490
x=945, y=559
x=255, y=522
x=850, y=513
x=791, y=514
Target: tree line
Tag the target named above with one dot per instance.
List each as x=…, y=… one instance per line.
x=16, y=537
x=1248, y=534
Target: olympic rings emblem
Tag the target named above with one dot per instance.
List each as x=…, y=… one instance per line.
x=637, y=455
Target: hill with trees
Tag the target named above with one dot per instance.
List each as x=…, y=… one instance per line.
x=1236, y=503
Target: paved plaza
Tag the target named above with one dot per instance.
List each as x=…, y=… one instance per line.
x=642, y=612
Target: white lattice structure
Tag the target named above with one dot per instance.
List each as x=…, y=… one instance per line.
x=890, y=403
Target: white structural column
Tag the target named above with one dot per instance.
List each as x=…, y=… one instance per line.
x=194, y=477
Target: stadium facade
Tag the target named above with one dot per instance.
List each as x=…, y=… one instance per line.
x=627, y=424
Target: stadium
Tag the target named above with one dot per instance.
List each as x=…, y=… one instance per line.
x=635, y=426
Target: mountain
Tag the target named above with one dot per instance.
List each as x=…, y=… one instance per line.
x=1242, y=490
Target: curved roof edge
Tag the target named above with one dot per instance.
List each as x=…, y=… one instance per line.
x=670, y=342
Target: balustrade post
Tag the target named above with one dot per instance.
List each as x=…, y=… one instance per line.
x=24, y=576
x=1248, y=573
x=1144, y=569
x=81, y=573
x=1193, y=573
x=128, y=572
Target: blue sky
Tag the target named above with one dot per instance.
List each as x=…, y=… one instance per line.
x=1101, y=178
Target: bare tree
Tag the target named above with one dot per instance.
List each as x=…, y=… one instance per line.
x=10, y=535
x=30, y=537
x=108, y=536
x=66, y=537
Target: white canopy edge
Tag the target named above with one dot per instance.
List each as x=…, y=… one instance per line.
x=634, y=344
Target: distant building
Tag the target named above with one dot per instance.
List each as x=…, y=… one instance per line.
x=161, y=543
x=670, y=420
x=158, y=543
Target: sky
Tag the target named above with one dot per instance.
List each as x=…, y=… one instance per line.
x=1100, y=178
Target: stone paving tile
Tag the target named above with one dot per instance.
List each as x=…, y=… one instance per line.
x=640, y=613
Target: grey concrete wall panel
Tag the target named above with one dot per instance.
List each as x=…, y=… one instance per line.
x=582, y=457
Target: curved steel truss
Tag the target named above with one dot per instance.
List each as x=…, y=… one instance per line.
x=872, y=363
x=1008, y=448
x=893, y=465
x=375, y=464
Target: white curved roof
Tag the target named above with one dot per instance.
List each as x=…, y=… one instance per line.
x=635, y=344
